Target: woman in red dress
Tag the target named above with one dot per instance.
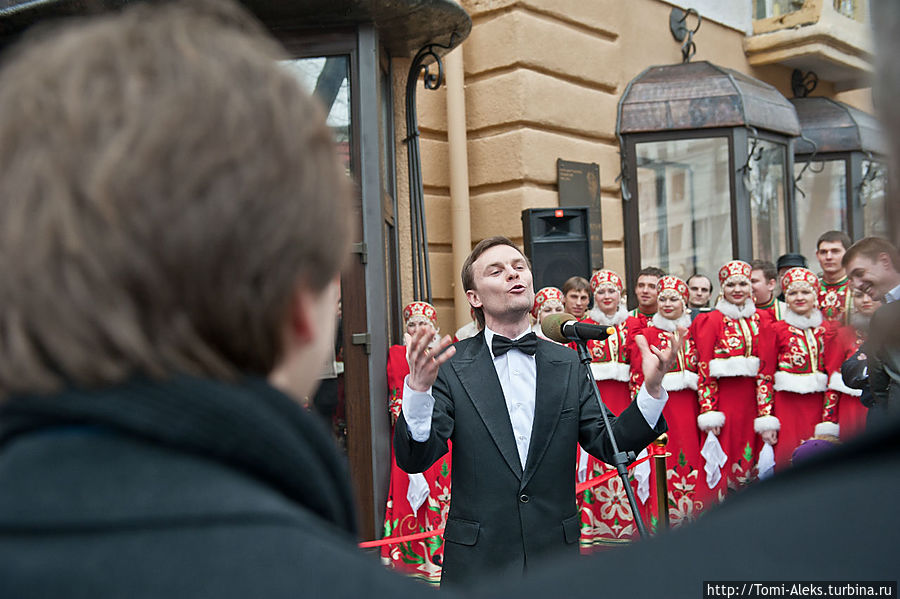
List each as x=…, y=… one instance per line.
x=688, y=493
x=730, y=381
x=606, y=516
x=416, y=502
x=803, y=405
x=548, y=300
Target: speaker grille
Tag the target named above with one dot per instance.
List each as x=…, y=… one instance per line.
x=557, y=243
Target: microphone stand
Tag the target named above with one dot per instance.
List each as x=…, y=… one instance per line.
x=620, y=458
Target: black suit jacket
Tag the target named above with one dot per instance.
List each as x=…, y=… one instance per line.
x=501, y=515
x=882, y=349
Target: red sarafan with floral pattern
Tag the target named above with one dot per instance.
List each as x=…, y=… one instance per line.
x=849, y=411
x=686, y=362
x=606, y=516
x=722, y=339
x=613, y=348
x=421, y=559
x=800, y=396
x=836, y=300
x=688, y=494
x=732, y=389
x=641, y=319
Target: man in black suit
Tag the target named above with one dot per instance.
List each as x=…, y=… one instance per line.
x=515, y=411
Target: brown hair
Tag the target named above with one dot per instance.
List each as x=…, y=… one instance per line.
x=652, y=271
x=576, y=283
x=871, y=248
x=832, y=236
x=468, y=277
x=699, y=275
x=767, y=268
x=166, y=187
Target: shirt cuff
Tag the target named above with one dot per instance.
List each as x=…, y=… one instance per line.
x=651, y=407
x=417, y=407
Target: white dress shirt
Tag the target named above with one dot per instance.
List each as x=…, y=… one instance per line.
x=893, y=295
x=517, y=372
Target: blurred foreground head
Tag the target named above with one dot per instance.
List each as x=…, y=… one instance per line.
x=168, y=192
x=885, y=90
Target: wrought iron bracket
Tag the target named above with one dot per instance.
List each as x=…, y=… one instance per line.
x=432, y=81
x=870, y=174
x=803, y=84
x=808, y=165
x=752, y=154
x=682, y=33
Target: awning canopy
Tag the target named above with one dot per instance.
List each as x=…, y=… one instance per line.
x=403, y=26
x=701, y=95
x=836, y=127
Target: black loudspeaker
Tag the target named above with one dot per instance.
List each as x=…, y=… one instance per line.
x=558, y=244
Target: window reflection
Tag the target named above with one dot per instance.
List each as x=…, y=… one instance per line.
x=684, y=206
x=765, y=183
x=871, y=196
x=764, y=9
x=328, y=79
x=821, y=202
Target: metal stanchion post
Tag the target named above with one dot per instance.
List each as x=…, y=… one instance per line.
x=662, y=490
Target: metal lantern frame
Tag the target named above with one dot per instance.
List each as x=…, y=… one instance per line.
x=699, y=100
x=832, y=131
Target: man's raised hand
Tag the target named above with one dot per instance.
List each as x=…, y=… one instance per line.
x=656, y=362
x=423, y=360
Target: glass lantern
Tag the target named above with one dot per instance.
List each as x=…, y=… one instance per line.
x=841, y=177
x=706, y=158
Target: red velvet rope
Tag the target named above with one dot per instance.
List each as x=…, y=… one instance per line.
x=593, y=482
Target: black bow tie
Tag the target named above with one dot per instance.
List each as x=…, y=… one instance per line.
x=527, y=344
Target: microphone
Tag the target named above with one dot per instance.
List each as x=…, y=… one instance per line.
x=563, y=328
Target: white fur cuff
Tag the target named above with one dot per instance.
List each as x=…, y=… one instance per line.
x=710, y=420
x=766, y=423
x=610, y=371
x=836, y=383
x=812, y=382
x=828, y=428
x=683, y=379
x=735, y=366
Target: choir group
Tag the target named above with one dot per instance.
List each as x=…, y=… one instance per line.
x=755, y=377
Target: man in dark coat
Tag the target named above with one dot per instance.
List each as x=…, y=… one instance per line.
x=873, y=267
x=173, y=228
x=514, y=407
x=824, y=520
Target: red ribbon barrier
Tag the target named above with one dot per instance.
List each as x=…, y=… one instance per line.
x=415, y=537
x=593, y=482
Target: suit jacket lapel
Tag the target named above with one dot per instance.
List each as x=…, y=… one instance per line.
x=478, y=377
x=548, y=400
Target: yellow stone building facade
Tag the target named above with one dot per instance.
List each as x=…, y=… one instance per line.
x=538, y=80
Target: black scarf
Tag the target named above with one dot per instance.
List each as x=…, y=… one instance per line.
x=248, y=425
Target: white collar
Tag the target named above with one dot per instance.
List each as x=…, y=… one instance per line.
x=893, y=295
x=810, y=321
x=734, y=311
x=666, y=324
x=616, y=319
